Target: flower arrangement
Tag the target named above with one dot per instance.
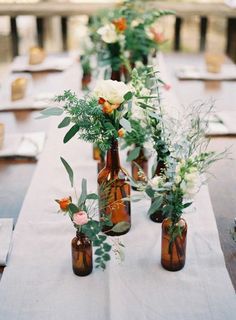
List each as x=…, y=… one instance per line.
x=130, y=34
x=83, y=212
x=99, y=117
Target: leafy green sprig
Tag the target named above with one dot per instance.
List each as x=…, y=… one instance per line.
x=88, y=202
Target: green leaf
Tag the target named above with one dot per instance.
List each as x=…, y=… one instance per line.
x=102, y=237
x=98, y=259
x=83, y=194
x=133, y=154
x=69, y=171
x=92, y=196
x=54, y=111
x=96, y=243
x=128, y=96
x=155, y=205
x=186, y=205
x=125, y=124
x=70, y=134
x=121, y=227
x=150, y=192
x=65, y=122
x=73, y=208
x=107, y=247
x=106, y=257
x=99, y=252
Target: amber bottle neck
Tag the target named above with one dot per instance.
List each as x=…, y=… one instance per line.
x=113, y=158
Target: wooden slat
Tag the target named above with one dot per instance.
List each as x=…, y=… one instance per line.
x=64, y=29
x=231, y=38
x=177, y=39
x=45, y=9
x=40, y=31
x=14, y=36
x=203, y=33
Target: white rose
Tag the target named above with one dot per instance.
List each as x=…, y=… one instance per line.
x=156, y=181
x=108, y=33
x=136, y=23
x=191, y=184
x=112, y=91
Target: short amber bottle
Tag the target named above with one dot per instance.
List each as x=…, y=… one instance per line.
x=173, y=246
x=113, y=187
x=82, y=255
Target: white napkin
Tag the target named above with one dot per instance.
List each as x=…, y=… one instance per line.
x=222, y=123
x=51, y=63
x=6, y=227
x=28, y=145
x=228, y=72
x=32, y=100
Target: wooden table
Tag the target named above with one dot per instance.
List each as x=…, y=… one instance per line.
x=15, y=175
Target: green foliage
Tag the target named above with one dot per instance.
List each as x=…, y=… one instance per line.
x=69, y=171
x=138, y=136
x=88, y=120
x=133, y=154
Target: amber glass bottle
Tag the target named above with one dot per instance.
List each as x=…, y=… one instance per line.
x=142, y=161
x=173, y=246
x=82, y=255
x=96, y=153
x=116, y=75
x=113, y=186
x=158, y=216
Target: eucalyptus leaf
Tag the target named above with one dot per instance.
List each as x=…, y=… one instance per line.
x=54, y=111
x=70, y=134
x=73, y=208
x=121, y=227
x=83, y=194
x=128, y=96
x=92, y=196
x=69, y=171
x=65, y=122
x=133, y=154
x=155, y=205
x=125, y=124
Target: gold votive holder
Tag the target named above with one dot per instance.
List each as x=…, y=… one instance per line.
x=214, y=62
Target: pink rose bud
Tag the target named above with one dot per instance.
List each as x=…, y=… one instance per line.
x=80, y=218
x=167, y=86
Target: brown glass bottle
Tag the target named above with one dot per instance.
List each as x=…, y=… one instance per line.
x=173, y=248
x=86, y=79
x=142, y=162
x=116, y=75
x=158, y=216
x=96, y=153
x=82, y=255
x=113, y=186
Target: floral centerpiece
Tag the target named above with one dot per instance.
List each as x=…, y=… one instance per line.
x=181, y=179
x=83, y=214
x=129, y=35
x=101, y=118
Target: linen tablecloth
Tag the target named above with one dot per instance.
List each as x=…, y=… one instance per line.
x=39, y=283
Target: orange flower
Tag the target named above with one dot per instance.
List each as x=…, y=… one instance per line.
x=121, y=132
x=120, y=24
x=107, y=107
x=101, y=100
x=64, y=203
x=158, y=37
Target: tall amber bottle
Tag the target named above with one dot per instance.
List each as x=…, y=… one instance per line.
x=82, y=255
x=173, y=246
x=142, y=161
x=113, y=186
x=158, y=216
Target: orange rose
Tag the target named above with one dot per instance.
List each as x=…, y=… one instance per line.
x=107, y=107
x=120, y=24
x=64, y=203
x=121, y=133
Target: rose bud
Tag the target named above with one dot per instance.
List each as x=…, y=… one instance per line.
x=64, y=203
x=121, y=132
x=101, y=100
x=80, y=218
